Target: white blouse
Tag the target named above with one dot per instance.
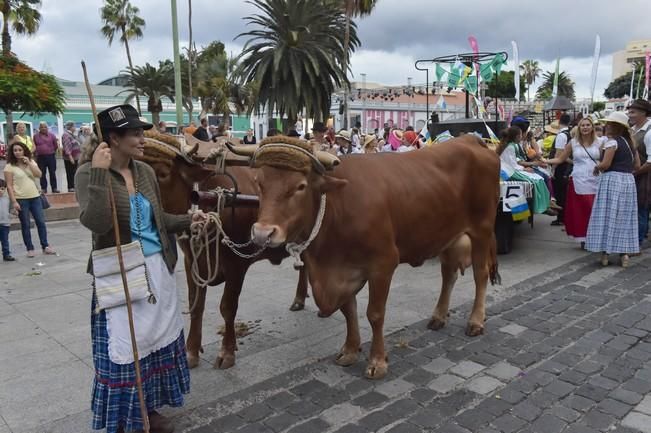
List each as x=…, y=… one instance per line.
x=585, y=159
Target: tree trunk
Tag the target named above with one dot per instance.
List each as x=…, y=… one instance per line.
x=126, y=45
x=9, y=117
x=155, y=117
x=6, y=37
x=190, y=56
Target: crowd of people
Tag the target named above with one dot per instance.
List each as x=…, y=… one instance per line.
x=594, y=174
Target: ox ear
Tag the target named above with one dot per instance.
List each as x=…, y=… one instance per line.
x=330, y=183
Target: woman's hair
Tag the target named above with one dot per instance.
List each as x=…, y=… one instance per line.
x=11, y=158
x=509, y=135
x=593, y=134
x=3, y=184
x=624, y=132
x=21, y=124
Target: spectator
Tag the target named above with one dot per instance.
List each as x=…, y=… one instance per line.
x=5, y=222
x=599, y=130
x=370, y=143
x=584, y=151
x=355, y=139
x=272, y=132
x=71, y=152
x=21, y=135
x=319, y=141
x=613, y=222
x=46, y=145
x=249, y=138
x=639, y=113
x=561, y=171
x=202, y=131
x=191, y=128
x=20, y=174
x=162, y=127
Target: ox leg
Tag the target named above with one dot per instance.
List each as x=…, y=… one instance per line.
x=349, y=354
x=228, y=307
x=450, y=274
x=480, y=268
x=197, y=301
x=378, y=292
x=301, y=291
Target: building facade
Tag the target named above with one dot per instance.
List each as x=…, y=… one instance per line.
x=635, y=52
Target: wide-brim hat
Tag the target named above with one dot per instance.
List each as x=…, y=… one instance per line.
x=641, y=104
x=553, y=128
x=368, y=138
x=618, y=117
x=122, y=117
x=319, y=127
x=343, y=134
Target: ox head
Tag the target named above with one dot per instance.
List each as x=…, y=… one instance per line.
x=290, y=181
x=175, y=168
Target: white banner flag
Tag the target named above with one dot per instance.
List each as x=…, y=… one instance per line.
x=595, y=66
x=516, y=75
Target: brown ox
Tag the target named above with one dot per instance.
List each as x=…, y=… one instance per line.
x=176, y=175
x=382, y=210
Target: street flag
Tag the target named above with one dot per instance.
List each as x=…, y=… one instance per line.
x=441, y=103
x=491, y=134
x=425, y=134
x=630, y=95
x=555, y=88
x=595, y=66
x=475, y=49
x=646, y=81
x=516, y=75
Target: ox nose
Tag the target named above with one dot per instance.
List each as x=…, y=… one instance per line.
x=261, y=234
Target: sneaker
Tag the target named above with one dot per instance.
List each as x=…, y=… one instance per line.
x=55, y=191
x=49, y=251
x=8, y=259
x=31, y=253
x=71, y=190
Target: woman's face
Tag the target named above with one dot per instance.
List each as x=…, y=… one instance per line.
x=20, y=129
x=18, y=151
x=612, y=129
x=586, y=128
x=131, y=144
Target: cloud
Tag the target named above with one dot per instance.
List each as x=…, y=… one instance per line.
x=396, y=34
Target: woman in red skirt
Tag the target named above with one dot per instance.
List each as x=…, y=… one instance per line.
x=584, y=150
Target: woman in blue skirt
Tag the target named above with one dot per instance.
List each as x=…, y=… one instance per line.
x=159, y=326
x=613, y=222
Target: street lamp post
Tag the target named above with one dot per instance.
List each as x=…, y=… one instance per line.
x=363, y=94
x=177, y=70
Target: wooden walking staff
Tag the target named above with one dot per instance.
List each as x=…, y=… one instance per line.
x=116, y=231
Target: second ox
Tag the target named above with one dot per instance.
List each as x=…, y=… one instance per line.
x=373, y=212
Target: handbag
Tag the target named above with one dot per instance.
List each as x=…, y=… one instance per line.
x=107, y=278
x=44, y=201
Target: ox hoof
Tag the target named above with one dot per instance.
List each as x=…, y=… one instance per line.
x=377, y=370
x=193, y=360
x=473, y=330
x=297, y=306
x=224, y=361
x=436, y=324
x=346, y=359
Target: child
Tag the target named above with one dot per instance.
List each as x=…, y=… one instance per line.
x=5, y=207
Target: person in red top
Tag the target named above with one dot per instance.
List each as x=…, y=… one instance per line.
x=71, y=153
x=45, y=147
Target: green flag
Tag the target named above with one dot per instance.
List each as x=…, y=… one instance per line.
x=471, y=84
x=439, y=72
x=453, y=78
x=486, y=72
x=498, y=62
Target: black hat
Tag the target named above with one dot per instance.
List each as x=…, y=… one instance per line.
x=319, y=127
x=122, y=117
x=293, y=133
x=642, y=105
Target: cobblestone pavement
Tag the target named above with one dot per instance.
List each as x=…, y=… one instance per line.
x=568, y=355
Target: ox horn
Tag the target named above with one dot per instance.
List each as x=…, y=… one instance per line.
x=328, y=160
x=242, y=150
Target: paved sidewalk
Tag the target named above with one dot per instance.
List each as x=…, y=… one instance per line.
x=284, y=377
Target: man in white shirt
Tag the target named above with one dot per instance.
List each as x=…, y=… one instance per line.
x=639, y=113
x=561, y=171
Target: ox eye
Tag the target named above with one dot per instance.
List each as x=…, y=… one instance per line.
x=301, y=187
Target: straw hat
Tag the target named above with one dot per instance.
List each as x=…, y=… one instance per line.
x=398, y=133
x=343, y=134
x=617, y=117
x=553, y=128
x=368, y=138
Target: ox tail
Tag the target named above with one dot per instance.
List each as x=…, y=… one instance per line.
x=493, y=272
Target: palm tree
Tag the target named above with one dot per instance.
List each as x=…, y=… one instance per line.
x=295, y=54
x=531, y=71
x=152, y=82
x=565, y=86
x=119, y=16
x=23, y=17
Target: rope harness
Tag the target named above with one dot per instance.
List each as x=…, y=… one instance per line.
x=295, y=250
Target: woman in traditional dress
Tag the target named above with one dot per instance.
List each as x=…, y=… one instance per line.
x=584, y=150
x=159, y=326
x=512, y=159
x=613, y=223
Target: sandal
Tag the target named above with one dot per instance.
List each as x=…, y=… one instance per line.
x=49, y=251
x=556, y=223
x=625, y=260
x=604, y=259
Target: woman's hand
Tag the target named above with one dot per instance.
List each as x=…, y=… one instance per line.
x=25, y=160
x=199, y=216
x=16, y=206
x=596, y=171
x=528, y=169
x=102, y=156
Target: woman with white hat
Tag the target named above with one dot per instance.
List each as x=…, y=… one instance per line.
x=613, y=223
